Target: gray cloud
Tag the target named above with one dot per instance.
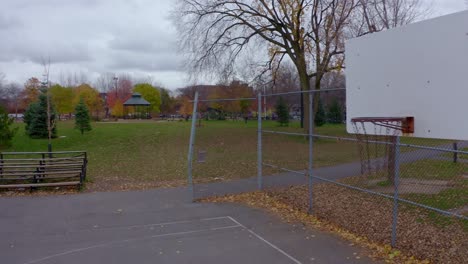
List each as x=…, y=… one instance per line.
x=145, y=41
x=59, y=52
x=160, y=62
x=97, y=36
x=8, y=22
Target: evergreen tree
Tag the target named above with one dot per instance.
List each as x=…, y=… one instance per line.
x=6, y=131
x=29, y=115
x=282, y=112
x=36, y=119
x=319, y=119
x=82, y=120
x=334, y=113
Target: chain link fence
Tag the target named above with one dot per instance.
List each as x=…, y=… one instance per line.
x=416, y=199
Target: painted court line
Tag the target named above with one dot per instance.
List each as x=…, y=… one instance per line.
x=236, y=225
x=149, y=225
x=140, y=239
x=266, y=241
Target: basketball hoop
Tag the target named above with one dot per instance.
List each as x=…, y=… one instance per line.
x=376, y=138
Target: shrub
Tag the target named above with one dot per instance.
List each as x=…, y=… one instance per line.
x=7, y=132
x=282, y=112
x=334, y=113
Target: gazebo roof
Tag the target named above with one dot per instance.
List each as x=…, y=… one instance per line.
x=136, y=100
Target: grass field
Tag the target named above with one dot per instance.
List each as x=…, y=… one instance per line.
x=155, y=153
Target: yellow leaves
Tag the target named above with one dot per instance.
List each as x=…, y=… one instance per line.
x=62, y=98
x=90, y=97
x=31, y=92
x=118, y=109
x=186, y=107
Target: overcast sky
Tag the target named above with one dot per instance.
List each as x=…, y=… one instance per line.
x=99, y=36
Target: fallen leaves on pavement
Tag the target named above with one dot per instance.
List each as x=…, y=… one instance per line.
x=365, y=220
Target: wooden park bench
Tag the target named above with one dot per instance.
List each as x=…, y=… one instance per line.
x=42, y=169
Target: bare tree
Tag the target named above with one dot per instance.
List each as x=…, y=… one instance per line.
x=105, y=82
x=378, y=15
x=2, y=79
x=2, y=83
x=215, y=33
x=13, y=92
x=73, y=79
x=50, y=121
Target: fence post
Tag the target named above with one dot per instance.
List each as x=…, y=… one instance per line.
x=455, y=154
x=259, y=143
x=191, y=145
x=311, y=145
x=395, y=196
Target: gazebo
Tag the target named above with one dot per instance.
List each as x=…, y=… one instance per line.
x=137, y=107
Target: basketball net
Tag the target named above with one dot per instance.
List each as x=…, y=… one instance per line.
x=377, y=147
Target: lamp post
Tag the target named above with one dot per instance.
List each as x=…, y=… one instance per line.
x=116, y=79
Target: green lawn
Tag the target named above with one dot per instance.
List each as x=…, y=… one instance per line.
x=121, y=152
x=154, y=152
x=125, y=153
x=434, y=170
x=460, y=155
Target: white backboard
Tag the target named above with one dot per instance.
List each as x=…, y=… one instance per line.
x=419, y=70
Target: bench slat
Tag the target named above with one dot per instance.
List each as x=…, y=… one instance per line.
x=45, y=159
x=42, y=152
x=18, y=171
x=28, y=178
x=29, y=165
x=40, y=173
x=27, y=185
x=4, y=167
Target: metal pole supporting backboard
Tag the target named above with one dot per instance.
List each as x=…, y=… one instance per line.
x=311, y=145
x=259, y=143
x=191, y=145
x=395, y=196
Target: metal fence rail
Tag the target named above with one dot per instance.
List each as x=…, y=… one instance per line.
x=454, y=150
x=447, y=213
x=411, y=165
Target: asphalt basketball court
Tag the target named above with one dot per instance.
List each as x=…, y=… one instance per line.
x=158, y=226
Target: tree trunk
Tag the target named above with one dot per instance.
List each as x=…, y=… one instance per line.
x=305, y=86
x=317, y=86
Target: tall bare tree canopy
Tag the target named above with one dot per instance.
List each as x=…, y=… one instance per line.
x=310, y=33
x=2, y=78
x=377, y=15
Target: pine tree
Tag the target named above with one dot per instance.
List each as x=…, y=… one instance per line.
x=319, y=119
x=82, y=120
x=334, y=113
x=6, y=131
x=282, y=112
x=29, y=115
x=36, y=119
